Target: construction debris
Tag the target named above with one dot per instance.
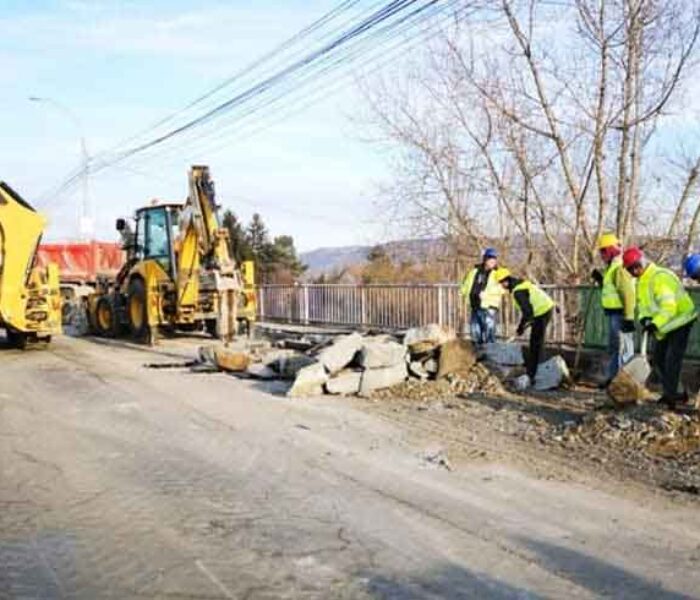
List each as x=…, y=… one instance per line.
x=426, y=339
x=347, y=383
x=551, y=374
x=223, y=358
x=309, y=381
x=457, y=357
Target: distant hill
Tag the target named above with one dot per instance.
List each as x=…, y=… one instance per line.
x=332, y=260
x=329, y=260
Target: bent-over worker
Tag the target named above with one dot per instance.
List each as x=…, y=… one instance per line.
x=484, y=295
x=666, y=310
x=618, y=301
x=536, y=308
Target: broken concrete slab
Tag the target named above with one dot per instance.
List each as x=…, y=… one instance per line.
x=457, y=357
x=223, y=358
x=309, y=381
x=288, y=366
x=431, y=366
x=261, y=371
x=503, y=353
x=417, y=369
x=377, y=354
x=340, y=354
x=551, y=374
x=346, y=382
x=426, y=338
x=377, y=379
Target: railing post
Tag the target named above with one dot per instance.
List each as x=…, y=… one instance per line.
x=305, y=288
x=261, y=302
x=441, y=316
x=363, y=306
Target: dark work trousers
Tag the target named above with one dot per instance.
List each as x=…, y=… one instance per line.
x=538, y=330
x=668, y=358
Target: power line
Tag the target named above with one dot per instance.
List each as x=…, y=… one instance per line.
x=369, y=27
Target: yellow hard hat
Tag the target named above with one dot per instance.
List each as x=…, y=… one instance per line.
x=607, y=240
x=501, y=273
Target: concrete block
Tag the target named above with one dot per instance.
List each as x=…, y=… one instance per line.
x=346, y=383
x=309, y=381
x=340, y=354
x=377, y=354
x=377, y=379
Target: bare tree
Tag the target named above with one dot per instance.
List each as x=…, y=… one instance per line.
x=533, y=123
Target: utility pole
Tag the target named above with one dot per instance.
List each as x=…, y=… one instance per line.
x=85, y=221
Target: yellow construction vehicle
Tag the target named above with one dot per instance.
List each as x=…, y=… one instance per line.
x=30, y=298
x=179, y=273
x=248, y=305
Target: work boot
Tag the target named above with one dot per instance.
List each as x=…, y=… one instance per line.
x=603, y=385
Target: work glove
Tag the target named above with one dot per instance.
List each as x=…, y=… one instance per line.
x=627, y=326
x=648, y=325
x=597, y=276
x=521, y=329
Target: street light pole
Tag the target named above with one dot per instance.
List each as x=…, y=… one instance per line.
x=85, y=224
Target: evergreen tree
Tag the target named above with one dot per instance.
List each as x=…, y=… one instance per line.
x=258, y=238
x=284, y=255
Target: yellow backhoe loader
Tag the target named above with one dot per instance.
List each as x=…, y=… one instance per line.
x=179, y=274
x=30, y=298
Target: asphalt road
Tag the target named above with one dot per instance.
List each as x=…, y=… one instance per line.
x=118, y=481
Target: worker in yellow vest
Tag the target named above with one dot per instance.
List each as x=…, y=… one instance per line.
x=536, y=308
x=667, y=311
x=618, y=301
x=484, y=295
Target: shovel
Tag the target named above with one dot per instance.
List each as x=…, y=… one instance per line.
x=629, y=385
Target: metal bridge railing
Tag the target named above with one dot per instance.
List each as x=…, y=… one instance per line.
x=396, y=307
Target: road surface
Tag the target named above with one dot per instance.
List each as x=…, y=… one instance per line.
x=119, y=481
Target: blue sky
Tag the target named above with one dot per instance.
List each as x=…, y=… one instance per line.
x=120, y=66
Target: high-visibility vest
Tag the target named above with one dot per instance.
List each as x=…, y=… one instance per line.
x=610, y=296
x=490, y=295
x=662, y=298
x=540, y=300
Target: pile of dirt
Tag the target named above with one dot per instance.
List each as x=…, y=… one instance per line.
x=647, y=428
x=476, y=380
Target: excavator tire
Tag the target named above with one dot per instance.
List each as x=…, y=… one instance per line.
x=211, y=327
x=17, y=339
x=136, y=310
x=104, y=318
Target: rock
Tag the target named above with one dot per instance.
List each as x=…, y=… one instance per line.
x=346, y=383
x=502, y=353
x=261, y=371
x=288, y=366
x=417, y=369
x=521, y=383
x=309, y=381
x=377, y=379
x=340, y=354
x=457, y=357
x=551, y=374
x=426, y=338
x=377, y=354
x=225, y=359
x=431, y=366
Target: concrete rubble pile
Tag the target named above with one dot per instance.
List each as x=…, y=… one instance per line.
x=354, y=364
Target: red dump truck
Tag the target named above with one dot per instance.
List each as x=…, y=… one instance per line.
x=80, y=265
